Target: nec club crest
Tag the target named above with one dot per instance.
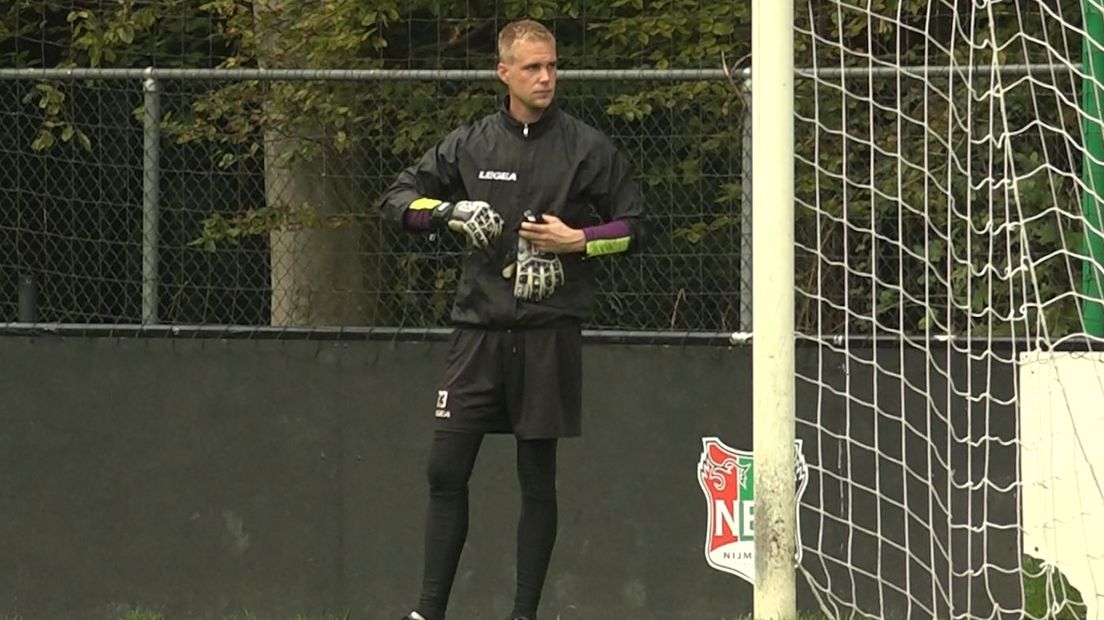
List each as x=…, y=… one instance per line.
x=727, y=478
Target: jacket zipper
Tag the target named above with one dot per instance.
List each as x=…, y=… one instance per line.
x=524, y=162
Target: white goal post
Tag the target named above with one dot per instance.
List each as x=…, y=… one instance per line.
x=928, y=187
x=773, y=341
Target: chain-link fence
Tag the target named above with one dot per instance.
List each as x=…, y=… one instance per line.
x=213, y=197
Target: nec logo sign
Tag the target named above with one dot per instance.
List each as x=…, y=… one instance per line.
x=495, y=175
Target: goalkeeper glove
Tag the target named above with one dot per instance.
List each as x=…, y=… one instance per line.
x=474, y=218
x=536, y=274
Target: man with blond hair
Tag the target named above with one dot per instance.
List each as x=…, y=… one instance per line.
x=539, y=195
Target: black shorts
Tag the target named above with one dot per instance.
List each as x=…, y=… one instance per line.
x=522, y=381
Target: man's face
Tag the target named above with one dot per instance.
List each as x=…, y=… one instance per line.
x=530, y=75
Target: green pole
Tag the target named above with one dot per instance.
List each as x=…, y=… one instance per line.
x=1092, y=200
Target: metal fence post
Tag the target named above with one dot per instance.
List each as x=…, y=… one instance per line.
x=745, y=210
x=151, y=194
x=28, y=299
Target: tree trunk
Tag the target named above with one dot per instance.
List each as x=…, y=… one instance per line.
x=319, y=273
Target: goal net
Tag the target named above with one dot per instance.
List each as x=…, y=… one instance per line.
x=949, y=180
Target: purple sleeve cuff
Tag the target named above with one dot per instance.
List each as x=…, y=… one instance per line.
x=610, y=230
x=417, y=219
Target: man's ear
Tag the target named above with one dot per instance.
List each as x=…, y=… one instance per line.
x=501, y=69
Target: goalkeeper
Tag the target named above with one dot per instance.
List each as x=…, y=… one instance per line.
x=538, y=195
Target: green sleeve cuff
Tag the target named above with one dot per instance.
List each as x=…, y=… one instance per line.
x=601, y=247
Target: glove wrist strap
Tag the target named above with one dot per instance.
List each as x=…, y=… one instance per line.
x=440, y=215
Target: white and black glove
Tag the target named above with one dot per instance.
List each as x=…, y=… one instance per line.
x=536, y=274
x=474, y=218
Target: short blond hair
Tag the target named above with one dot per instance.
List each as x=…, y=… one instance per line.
x=522, y=30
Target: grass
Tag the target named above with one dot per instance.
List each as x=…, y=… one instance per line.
x=149, y=615
x=799, y=617
x=146, y=615
x=1038, y=580
x=141, y=615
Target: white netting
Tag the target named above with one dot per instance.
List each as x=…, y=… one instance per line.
x=944, y=212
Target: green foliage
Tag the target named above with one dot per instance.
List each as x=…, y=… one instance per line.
x=877, y=244
x=220, y=230
x=922, y=210
x=101, y=34
x=672, y=33
x=1048, y=594
x=56, y=123
x=336, y=34
x=694, y=233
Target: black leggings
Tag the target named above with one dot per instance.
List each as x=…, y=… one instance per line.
x=450, y=466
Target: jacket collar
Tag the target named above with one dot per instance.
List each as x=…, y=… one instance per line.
x=530, y=130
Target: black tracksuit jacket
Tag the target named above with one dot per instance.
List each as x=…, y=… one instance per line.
x=557, y=165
